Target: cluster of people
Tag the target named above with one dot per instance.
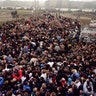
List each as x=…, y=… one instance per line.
x=43, y=56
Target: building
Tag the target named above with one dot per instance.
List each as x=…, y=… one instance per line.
x=10, y=3
x=56, y=4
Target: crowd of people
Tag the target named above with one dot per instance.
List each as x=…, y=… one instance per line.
x=43, y=56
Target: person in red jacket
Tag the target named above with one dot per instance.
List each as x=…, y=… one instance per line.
x=18, y=75
x=63, y=82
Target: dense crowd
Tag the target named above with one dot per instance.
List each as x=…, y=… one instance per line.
x=43, y=56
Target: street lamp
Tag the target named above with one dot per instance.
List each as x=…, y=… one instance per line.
x=35, y=5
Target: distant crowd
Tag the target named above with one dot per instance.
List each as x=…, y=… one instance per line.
x=44, y=56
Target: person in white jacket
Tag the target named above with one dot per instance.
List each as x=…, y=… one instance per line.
x=88, y=87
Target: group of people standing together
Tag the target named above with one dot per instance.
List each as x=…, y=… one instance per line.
x=43, y=56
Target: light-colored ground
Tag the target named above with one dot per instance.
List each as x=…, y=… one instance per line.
x=84, y=20
x=5, y=15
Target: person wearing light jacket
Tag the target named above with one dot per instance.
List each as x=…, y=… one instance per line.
x=88, y=87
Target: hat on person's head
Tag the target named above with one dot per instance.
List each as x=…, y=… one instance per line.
x=74, y=70
x=20, y=67
x=42, y=65
x=62, y=79
x=69, y=81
